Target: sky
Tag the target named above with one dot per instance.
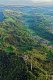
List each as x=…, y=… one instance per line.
x=24, y=2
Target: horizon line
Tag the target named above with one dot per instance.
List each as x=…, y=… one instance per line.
x=35, y=4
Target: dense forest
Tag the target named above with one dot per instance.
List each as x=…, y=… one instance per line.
x=26, y=43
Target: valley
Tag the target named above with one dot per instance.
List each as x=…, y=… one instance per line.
x=1, y=16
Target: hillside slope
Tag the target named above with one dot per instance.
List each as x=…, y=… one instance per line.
x=26, y=51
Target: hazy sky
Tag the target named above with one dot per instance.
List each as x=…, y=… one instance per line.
x=24, y=2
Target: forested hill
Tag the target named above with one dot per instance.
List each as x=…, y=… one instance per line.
x=26, y=43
